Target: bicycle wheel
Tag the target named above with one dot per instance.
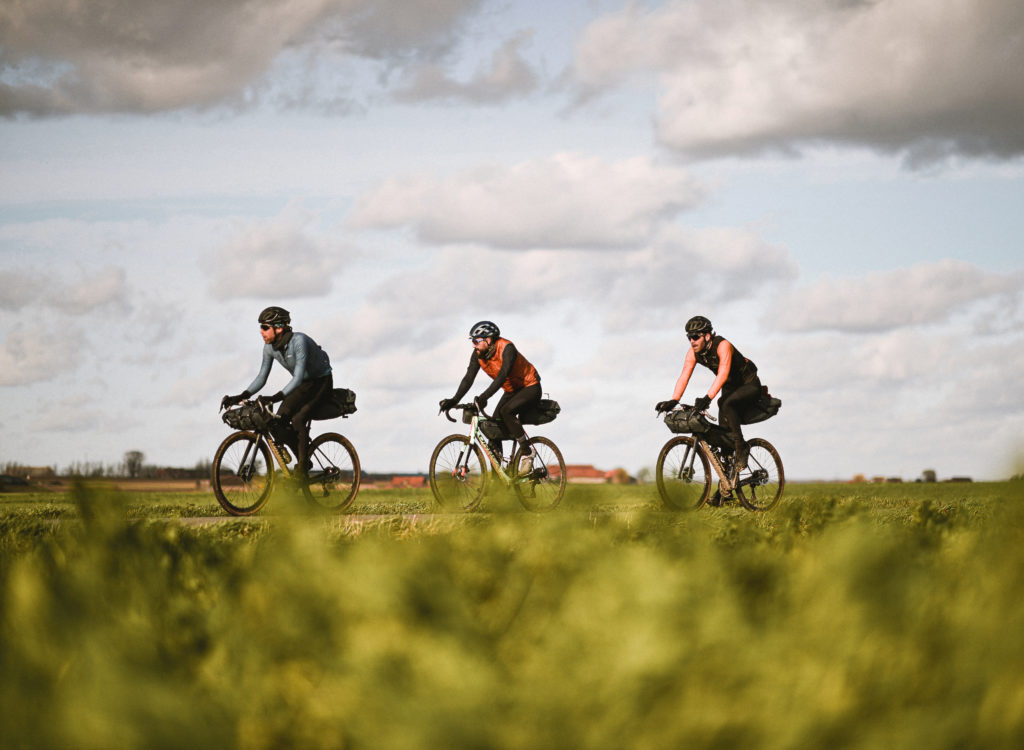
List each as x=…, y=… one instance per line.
x=458, y=475
x=683, y=474
x=243, y=474
x=543, y=487
x=761, y=483
x=333, y=481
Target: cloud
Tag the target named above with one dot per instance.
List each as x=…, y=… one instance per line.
x=927, y=293
x=508, y=76
x=20, y=289
x=563, y=201
x=107, y=287
x=37, y=354
x=278, y=257
x=63, y=57
x=911, y=76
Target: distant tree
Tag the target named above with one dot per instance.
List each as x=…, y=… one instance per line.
x=133, y=463
x=621, y=476
x=928, y=475
x=645, y=475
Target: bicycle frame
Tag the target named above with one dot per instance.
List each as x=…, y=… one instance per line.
x=724, y=482
x=477, y=437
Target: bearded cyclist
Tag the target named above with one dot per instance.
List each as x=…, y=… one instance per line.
x=735, y=377
x=311, y=379
x=511, y=372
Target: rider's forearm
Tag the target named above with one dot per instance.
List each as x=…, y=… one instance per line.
x=467, y=380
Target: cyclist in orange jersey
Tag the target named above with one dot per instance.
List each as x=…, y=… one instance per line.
x=511, y=372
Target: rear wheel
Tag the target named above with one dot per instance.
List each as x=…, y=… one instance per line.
x=243, y=475
x=683, y=474
x=760, y=485
x=543, y=486
x=333, y=480
x=458, y=477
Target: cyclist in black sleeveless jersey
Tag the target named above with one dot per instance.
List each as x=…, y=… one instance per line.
x=735, y=377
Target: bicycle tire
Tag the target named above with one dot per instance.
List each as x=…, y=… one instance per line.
x=242, y=480
x=334, y=476
x=543, y=488
x=764, y=467
x=683, y=486
x=458, y=484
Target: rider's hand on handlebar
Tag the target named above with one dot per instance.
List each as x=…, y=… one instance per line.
x=228, y=401
x=666, y=405
x=480, y=402
x=702, y=403
x=446, y=403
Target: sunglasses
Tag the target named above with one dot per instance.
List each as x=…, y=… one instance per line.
x=265, y=327
x=477, y=340
x=694, y=336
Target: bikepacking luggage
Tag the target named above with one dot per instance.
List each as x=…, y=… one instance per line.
x=248, y=416
x=687, y=419
x=766, y=406
x=338, y=403
x=542, y=412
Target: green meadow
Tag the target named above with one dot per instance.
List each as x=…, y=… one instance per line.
x=851, y=616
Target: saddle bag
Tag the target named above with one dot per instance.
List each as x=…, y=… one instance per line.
x=543, y=412
x=340, y=402
x=765, y=407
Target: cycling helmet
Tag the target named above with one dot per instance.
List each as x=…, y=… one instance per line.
x=276, y=316
x=484, y=329
x=698, y=324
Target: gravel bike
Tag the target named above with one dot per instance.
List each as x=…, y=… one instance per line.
x=244, y=474
x=685, y=464
x=459, y=475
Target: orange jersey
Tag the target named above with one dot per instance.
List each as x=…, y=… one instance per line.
x=521, y=375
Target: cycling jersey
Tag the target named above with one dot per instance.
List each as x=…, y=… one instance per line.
x=742, y=370
x=299, y=355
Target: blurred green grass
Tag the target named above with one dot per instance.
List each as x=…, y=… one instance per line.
x=851, y=616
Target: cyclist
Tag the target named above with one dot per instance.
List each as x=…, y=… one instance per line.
x=511, y=372
x=311, y=379
x=735, y=376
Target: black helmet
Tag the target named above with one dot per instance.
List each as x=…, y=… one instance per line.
x=276, y=316
x=484, y=329
x=698, y=324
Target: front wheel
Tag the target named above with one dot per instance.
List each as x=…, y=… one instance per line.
x=760, y=485
x=243, y=475
x=683, y=474
x=541, y=487
x=333, y=478
x=458, y=475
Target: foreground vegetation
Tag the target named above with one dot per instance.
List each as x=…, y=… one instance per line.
x=875, y=616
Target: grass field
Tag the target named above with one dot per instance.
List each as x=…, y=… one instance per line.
x=851, y=616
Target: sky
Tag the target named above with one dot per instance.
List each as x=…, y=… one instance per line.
x=837, y=184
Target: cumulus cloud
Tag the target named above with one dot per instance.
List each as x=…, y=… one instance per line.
x=927, y=293
x=19, y=289
x=278, y=257
x=63, y=56
x=928, y=79
x=30, y=355
x=564, y=201
x=507, y=76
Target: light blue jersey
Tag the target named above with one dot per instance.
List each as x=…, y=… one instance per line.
x=300, y=355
